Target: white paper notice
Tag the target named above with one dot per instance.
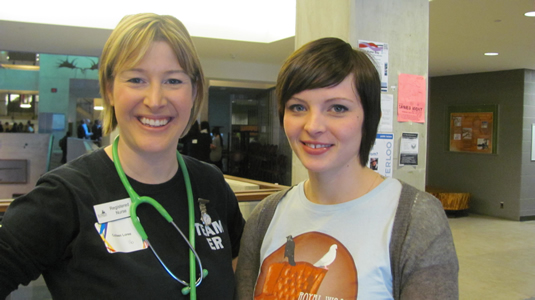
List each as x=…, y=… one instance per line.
x=387, y=110
x=408, y=152
x=379, y=52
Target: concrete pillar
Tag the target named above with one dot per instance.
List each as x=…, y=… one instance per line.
x=404, y=26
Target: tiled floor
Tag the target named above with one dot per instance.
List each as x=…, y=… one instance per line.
x=496, y=257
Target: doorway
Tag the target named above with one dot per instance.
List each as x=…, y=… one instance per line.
x=248, y=120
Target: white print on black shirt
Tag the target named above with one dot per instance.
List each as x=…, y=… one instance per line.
x=211, y=232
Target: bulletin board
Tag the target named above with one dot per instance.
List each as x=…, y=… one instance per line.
x=473, y=129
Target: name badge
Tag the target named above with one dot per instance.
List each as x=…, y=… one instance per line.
x=115, y=227
x=112, y=211
x=120, y=236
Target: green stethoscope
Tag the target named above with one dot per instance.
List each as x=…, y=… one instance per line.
x=137, y=200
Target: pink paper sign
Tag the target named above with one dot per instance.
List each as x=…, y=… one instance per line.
x=411, y=98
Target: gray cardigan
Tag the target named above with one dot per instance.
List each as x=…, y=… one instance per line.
x=422, y=254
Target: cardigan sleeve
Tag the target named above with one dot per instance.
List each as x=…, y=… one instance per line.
x=249, y=257
x=251, y=242
x=428, y=262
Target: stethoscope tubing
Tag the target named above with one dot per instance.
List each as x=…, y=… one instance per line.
x=136, y=200
x=192, y=254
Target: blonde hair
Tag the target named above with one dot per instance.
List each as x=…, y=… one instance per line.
x=128, y=44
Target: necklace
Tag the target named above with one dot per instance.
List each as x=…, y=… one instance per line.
x=377, y=176
x=310, y=195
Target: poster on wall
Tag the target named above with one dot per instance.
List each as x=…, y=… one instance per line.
x=381, y=155
x=408, y=149
x=379, y=52
x=472, y=129
x=411, y=98
x=58, y=121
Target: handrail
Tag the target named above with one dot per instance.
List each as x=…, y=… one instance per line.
x=49, y=156
x=265, y=189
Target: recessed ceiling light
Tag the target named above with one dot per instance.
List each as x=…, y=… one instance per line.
x=491, y=53
x=530, y=14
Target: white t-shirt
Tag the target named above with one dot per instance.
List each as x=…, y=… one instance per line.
x=337, y=251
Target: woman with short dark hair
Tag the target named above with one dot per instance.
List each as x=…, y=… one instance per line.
x=346, y=232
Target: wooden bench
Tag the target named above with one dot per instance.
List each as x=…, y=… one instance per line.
x=451, y=201
x=4, y=203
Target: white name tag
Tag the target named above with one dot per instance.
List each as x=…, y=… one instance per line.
x=112, y=211
x=120, y=236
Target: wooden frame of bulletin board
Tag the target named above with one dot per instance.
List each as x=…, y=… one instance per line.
x=473, y=128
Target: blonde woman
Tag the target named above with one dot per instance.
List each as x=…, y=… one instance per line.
x=77, y=228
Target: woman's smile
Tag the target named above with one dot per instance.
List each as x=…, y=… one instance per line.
x=154, y=122
x=315, y=148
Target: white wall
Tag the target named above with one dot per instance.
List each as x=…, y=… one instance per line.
x=240, y=70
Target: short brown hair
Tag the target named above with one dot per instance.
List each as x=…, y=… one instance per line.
x=128, y=44
x=327, y=62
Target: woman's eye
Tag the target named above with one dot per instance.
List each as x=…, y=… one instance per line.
x=296, y=107
x=174, y=81
x=135, y=80
x=339, y=108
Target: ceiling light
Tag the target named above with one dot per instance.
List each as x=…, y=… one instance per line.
x=25, y=105
x=20, y=67
x=98, y=108
x=491, y=53
x=231, y=19
x=530, y=14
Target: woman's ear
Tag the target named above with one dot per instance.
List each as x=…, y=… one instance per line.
x=194, y=88
x=194, y=94
x=109, y=93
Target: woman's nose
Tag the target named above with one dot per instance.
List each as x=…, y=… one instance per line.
x=154, y=97
x=314, y=122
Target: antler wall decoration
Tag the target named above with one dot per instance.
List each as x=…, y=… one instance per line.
x=71, y=65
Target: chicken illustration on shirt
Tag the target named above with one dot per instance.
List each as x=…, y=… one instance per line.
x=328, y=258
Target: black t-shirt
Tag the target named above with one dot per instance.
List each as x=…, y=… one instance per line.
x=51, y=230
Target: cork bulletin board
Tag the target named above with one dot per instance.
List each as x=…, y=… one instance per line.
x=473, y=129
